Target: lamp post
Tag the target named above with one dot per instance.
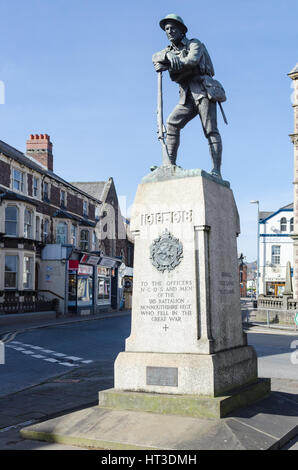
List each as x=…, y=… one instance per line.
x=258, y=246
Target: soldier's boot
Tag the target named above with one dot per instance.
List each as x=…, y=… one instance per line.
x=215, y=148
x=173, y=141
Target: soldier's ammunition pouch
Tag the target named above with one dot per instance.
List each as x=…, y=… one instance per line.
x=214, y=89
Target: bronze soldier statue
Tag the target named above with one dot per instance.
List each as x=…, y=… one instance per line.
x=189, y=64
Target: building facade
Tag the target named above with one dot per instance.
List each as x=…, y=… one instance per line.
x=276, y=249
x=49, y=238
x=294, y=137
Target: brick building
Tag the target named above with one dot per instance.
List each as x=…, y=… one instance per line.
x=50, y=246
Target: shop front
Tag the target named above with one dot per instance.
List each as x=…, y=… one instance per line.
x=275, y=289
x=90, y=284
x=80, y=288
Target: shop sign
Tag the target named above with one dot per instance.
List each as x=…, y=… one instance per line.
x=296, y=319
x=84, y=259
x=73, y=264
x=87, y=259
x=103, y=271
x=85, y=269
x=93, y=260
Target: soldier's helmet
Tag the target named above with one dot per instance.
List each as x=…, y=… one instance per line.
x=177, y=19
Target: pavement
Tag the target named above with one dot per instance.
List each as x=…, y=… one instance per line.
x=269, y=424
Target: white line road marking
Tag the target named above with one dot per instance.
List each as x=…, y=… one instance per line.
x=34, y=350
x=68, y=364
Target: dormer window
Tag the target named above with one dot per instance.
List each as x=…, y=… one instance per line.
x=283, y=224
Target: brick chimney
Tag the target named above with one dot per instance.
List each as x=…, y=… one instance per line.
x=40, y=148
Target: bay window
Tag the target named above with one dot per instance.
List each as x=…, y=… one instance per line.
x=11, y=272
x=28, y=223
x=61, y=233
x=11, y=221
x=27, y=272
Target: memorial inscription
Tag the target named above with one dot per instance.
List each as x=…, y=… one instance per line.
x=166, y=217
x=167, y=301
x=164, y=376
x=226, y=284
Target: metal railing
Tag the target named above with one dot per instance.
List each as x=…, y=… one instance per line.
x=272, y=320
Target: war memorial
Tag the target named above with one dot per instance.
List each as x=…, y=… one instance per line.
x=186, y=363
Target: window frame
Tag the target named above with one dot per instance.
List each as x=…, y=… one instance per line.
x=45, y=233
x=28, y=273
x=35, y=188
x=12, y=221
x=275, y=257
x=84, y=242
x=21, y=181
x=283, y=224
x=14, y=272
x=65, y=225
x=62, y=199
x=45, y=194
x=26, y=224
x=85, y=208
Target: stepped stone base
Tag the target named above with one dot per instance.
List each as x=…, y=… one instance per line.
x=195, y=406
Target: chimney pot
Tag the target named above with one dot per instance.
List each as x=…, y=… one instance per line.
x=39, y=147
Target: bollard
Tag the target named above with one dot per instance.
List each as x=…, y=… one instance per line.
x=268, y=319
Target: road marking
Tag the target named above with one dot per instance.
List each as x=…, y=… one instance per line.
x=68, y=364
x=59, y=358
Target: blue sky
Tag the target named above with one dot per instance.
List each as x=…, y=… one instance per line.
x=81, y=71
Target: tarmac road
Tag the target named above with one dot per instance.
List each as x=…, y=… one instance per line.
x=36, y=355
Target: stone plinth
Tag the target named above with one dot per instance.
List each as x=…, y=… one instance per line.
x=186, y=335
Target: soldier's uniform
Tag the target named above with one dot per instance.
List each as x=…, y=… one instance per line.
x=196, y=70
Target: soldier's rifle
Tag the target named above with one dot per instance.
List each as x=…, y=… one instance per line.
x=160, y=125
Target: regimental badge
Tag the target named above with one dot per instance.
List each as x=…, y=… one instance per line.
x=166, y=252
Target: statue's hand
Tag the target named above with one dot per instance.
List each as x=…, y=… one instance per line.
x=160, y=67
x=175, y=63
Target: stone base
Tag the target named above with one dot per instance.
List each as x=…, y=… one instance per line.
x=195, y=406
x=186, y=374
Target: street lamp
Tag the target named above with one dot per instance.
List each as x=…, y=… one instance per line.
x=258, y=246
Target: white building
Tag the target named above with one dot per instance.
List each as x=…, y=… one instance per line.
x=276, y=249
